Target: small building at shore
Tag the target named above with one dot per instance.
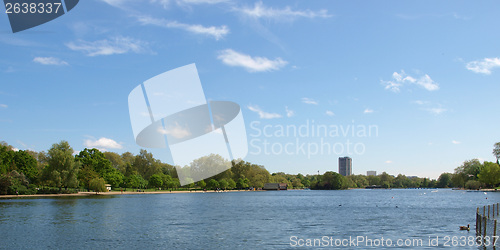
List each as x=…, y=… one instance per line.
x=275, y=186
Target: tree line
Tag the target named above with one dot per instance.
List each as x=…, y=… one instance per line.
x=58, y=171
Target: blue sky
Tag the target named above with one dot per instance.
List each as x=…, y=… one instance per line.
x=425, y=73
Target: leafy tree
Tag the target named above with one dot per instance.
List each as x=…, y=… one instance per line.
x=26, y=164
x=373, y=180
x=496, y=151
x=136, y=181
x=156, y=181
x=242, y=183
x=469, y=169
x=212, y=184
x=6, y=157
x=85, y=175
x=473, y=184
x=490, y=174
x=62, y=168
x=201, y=184
x=444, y=180
x=14, y=183
x=146, y=165
x=458, y=180
x=98, y=185
x=231, y=184
x=116, y=161
x=359, y=181
x=385, y=177
x=96, y=162
x=332, y=180
x=223, y=184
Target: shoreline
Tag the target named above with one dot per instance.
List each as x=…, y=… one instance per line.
x=115, y=193
x=177, y=192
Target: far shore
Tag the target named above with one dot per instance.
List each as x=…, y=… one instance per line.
x=175, y=192
x=118, y=193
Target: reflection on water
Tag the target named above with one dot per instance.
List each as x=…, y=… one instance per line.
x=234, y=220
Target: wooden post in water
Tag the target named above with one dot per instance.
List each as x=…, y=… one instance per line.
x=488, y=211
x=494, y=233
x=477, y=214
x=479, y=228
x=484, y=210
x=485, y=222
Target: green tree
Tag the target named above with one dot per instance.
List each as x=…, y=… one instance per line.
x=146, y=165
x=496, y=151
x=201, y=184
x=116, y=161
x=444, y=180
x=96, y=161
x=62, y=168
x=6, y=157
x=136, y=181
x=489, y=174
x=231, y=184
x=332, y=180
x=473, y=184
x=156, y=181
x=212, y=184
x=98, y=185
x=26, y=164
x=223, y=184
x=85, y=175
x=242, y=183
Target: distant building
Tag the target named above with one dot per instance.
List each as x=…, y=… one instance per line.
x=275, y=186
x=345, y=166
x=371, y=173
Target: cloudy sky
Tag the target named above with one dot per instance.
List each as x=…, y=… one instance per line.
x=400, y=86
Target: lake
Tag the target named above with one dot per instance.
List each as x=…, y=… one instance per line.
x=241, y=220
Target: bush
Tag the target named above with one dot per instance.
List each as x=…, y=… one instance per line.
x=472, y=184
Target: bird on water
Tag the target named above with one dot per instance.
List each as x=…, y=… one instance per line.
x=465, y=227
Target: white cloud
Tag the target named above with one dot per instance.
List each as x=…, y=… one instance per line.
x=309, y=101
x=289, y=113
x=49, y=61
x=388, y=162
x=368, y=111
x=262, y=114
x=455, y=142
x=4, y=106
x=215, y=32
x=419, y=102
x=436, y=111
x=115, y=3
x=427, y=83
x=483, y=66
x=433, y=108
x=251, y=64
x=176, y=131
x=400, y=79
x=286, y=14
x=329, y=113
x=116, y=45
x=166, y=3
x=104, y=143
x=200, y=1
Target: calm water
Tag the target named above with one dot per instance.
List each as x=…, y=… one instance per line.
x=244, y=220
